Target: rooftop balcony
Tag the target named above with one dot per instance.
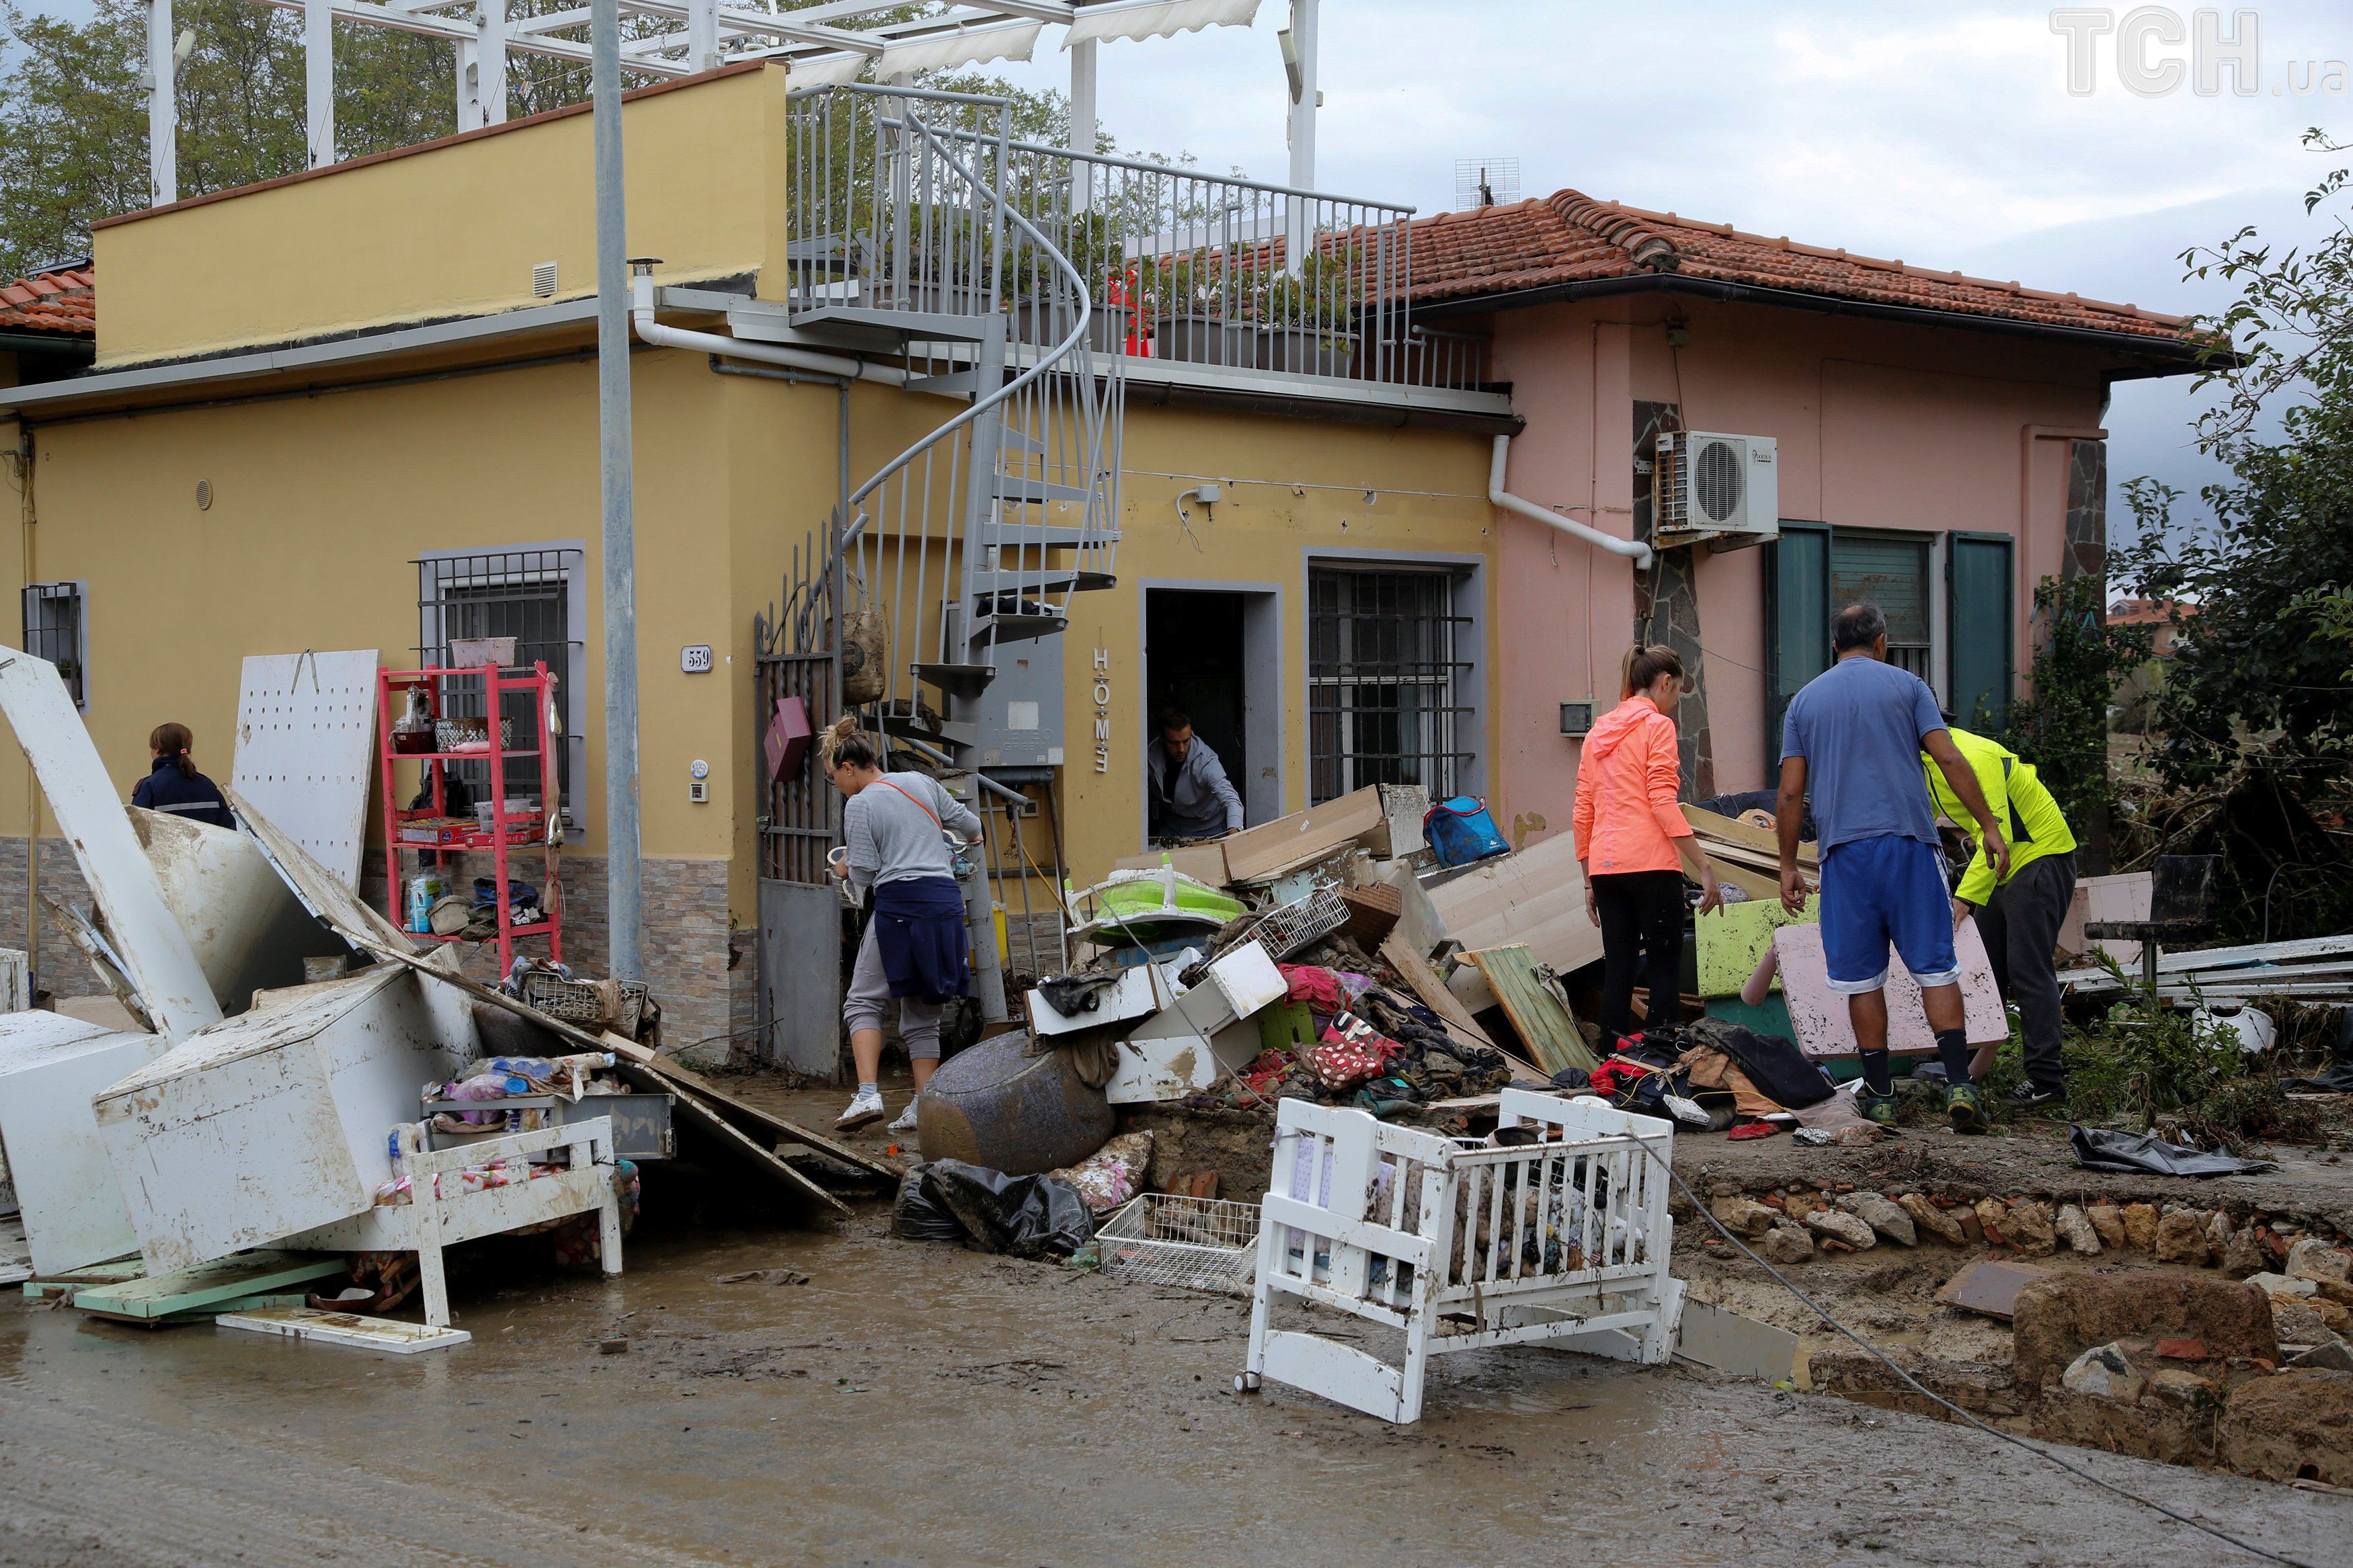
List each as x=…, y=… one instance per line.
x=891, y=235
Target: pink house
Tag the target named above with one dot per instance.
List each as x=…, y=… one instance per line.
x=1936, y=440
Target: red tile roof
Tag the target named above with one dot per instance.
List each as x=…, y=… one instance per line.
x=64, y=301
x=1570, y=238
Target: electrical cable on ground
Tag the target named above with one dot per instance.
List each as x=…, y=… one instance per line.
x=1916, y=1385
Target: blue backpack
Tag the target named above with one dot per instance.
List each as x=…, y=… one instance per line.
x=1459, y=831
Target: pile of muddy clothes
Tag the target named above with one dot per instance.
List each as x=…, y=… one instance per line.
x=1722, y=1076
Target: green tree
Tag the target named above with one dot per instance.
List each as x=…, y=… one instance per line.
x=2257, y=678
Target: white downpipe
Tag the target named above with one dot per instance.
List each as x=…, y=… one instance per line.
x=1633, y=550
x=649, y=331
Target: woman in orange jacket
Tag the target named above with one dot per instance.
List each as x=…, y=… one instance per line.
x=1634, y=843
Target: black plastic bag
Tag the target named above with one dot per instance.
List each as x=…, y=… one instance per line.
x=918, y=1217
x=2098, y=1149
x=988, y=1211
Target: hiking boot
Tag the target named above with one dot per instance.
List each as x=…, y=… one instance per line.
x=1879, y=1109
x=2035, y=1097
x=1965, y=1107
x=865, y=1106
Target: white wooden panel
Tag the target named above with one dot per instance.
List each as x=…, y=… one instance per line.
x=50, y=1066
x=1818, y=1016
x=154, y=949
x=305, y=736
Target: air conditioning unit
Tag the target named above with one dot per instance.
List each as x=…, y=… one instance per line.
x=1723, y=491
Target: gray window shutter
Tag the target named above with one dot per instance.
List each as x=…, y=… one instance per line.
x=1798, y=623
x=1981, y=602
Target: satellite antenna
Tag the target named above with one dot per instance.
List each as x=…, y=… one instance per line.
x=1486, y=183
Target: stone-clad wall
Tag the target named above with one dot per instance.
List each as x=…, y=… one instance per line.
x=701, y=972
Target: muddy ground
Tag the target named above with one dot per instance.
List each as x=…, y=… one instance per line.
x=919, y=1405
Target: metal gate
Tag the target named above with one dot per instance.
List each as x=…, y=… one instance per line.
x=800, y=955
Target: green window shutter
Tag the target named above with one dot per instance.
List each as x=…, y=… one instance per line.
x=1981, y=601
x=1797, y=623
x=1891, y=573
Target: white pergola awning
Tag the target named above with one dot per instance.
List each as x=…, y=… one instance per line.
x=1157, y=20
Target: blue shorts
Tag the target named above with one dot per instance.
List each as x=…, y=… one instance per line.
x=1881, y=890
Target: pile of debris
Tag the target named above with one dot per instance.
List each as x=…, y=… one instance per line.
x=296, y=1108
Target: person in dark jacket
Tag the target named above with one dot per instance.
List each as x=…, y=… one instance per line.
x=174, y=784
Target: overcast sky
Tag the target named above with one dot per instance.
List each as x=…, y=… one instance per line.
x=1943, y=135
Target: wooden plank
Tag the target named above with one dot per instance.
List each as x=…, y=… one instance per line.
x=1425, y=984
x=1755, y=884
x=1289, y=842
x=732, y=1139
x=237, y=1278
x=742, y=1113
x=81, y=1303
x=1543, y=1023
x=300, y=1322
x=1535, y=897
x=1746, y=836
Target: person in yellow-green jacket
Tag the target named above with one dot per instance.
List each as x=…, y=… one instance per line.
x=2019, y=917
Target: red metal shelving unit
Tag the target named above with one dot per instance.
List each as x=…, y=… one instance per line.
x=430, y=830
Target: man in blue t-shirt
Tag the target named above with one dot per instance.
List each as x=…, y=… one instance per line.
x=1853, y=737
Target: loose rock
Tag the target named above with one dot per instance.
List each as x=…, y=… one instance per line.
x=2187, y=1389
x=2217, y=1235
x=2076, y=1229
x=2062, y=1315
x=2109, y=1222
x=1797, y=1205
x=2243, y=1254
x=2313, y=1259
x=2282, y=1285
x=2140, y=1227
x=1927, y=1216
x=2105, y=1373
x=1744, y=1216
x=2297, y=1425
x=1786, y=1243
x=1882, y=1215
x=1845, y=1227
x=2296, y=1324
x=2029, y=1228
x=2336, y=1355
x=2181, y=1239
x=1991, y=1217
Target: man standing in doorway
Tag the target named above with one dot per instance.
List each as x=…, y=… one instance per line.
x=1192, y=797
x=1853, y=738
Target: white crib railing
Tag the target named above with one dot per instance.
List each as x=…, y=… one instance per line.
x=1554, y=1231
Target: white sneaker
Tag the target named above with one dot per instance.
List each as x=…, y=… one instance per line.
x=865, y=1106
x=906, y=1122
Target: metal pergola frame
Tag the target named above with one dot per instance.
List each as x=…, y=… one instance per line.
x=824, y=44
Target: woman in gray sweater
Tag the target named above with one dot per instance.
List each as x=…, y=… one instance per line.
x=896, y=829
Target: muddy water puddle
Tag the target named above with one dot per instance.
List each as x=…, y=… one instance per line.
x=920, y=1404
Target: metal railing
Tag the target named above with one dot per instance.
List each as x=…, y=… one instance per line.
x=1179, y=265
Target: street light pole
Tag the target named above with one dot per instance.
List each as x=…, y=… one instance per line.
x=624, y=886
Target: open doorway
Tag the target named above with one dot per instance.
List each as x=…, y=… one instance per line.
x=1214, y=653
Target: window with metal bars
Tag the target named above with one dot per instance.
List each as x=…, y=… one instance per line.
x=57, y=628
x=1384, y=670
x=535, y=595
x=1891, y=572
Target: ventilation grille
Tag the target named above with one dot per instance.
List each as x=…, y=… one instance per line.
x=1716, y=480
x=543, y=280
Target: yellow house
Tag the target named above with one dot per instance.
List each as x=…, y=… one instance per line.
x=357, y=408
